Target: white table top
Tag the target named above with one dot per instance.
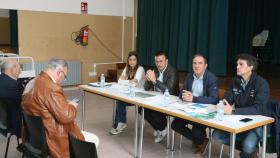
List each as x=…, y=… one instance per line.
x=180, y=109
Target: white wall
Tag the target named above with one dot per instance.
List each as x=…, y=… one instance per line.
x=4, y=13
x=95, y=7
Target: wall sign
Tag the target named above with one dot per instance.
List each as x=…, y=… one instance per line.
x=84, y=7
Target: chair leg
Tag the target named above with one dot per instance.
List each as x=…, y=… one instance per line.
x=180, y=145
x=259, y=144
x=221, y=151
x=7, y=146
x=17, y=141
x=172, y=140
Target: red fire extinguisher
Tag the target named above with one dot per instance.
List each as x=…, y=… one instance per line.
x=84, y=35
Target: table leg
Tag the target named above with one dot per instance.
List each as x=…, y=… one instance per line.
x=141, y=133
x=168, y=133
x=210, y=142
x=232, y=144
x=264, y=141
x=136, y=132
x=114, y=113
x=83, y=109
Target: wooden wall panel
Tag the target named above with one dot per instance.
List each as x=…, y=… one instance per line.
x=44, y=35
x=4, y=30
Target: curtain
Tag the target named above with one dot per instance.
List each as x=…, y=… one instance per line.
x=275, y=30
x=247, y=19
x=14, y=29
x=183, y=28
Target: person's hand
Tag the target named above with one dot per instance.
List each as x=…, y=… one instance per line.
x=133, y=81
x=187, y=96
x=151, y=76
x=73, y=103
x=227, y=108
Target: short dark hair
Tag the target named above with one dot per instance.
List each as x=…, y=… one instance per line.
x=251, y=60
x=201, y=55
x=159, y=53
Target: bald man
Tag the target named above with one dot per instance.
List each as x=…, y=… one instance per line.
x=10, y=92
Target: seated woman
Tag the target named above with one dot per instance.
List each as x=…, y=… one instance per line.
x=133, y=74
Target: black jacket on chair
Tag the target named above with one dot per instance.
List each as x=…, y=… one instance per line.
x=10, y=93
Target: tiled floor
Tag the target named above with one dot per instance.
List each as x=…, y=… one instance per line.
x=99, y=120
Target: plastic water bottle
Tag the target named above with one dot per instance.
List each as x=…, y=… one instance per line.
x=166, y=96
x=220, y=110
x=102, y=80
x=131, y=90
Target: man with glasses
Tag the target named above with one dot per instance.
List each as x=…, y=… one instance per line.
x=43, y=96
x=163, y=77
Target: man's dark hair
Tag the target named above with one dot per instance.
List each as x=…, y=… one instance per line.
x=201, y=55
x=251, y=60
x=159, y=53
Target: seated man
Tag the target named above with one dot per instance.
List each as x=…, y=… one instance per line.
x=43, y=96
x=10, y=92
x=162, y=78
x=248, y=94
x=201, y=86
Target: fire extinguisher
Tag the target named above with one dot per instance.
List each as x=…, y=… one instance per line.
x=84, y=35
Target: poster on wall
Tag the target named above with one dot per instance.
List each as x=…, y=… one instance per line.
x=84, y=7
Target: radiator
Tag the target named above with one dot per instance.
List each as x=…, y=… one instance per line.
x=74, y=71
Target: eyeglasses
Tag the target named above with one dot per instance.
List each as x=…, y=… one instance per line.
x=65, y=76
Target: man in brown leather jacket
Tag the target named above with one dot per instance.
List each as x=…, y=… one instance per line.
x=43, y=96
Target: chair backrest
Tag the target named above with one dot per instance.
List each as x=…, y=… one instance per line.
x=3, y=115
x=79, y=148
x=275, y=128
x=10, y=117
x=34, y=136
x=272, y=110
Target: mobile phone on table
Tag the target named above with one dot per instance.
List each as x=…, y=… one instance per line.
x=246, y=120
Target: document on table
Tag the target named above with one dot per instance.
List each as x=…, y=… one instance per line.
x=158, y=100
x=97, y=84
x=192, y=108
x=143, y=95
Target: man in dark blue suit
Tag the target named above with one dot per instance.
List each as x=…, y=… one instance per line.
x=10, y=93
x=201, y=86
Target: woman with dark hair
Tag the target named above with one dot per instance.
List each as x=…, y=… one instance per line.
x=132, y=74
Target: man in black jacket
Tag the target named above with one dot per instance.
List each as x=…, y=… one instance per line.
x=162, y=78
x=201, y=86
x=10, y=93
x=247, y=95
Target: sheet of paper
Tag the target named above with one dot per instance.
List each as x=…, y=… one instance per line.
x=97, y=84
x=143, y=95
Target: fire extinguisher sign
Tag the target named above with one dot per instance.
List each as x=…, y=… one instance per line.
x=84, y=7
